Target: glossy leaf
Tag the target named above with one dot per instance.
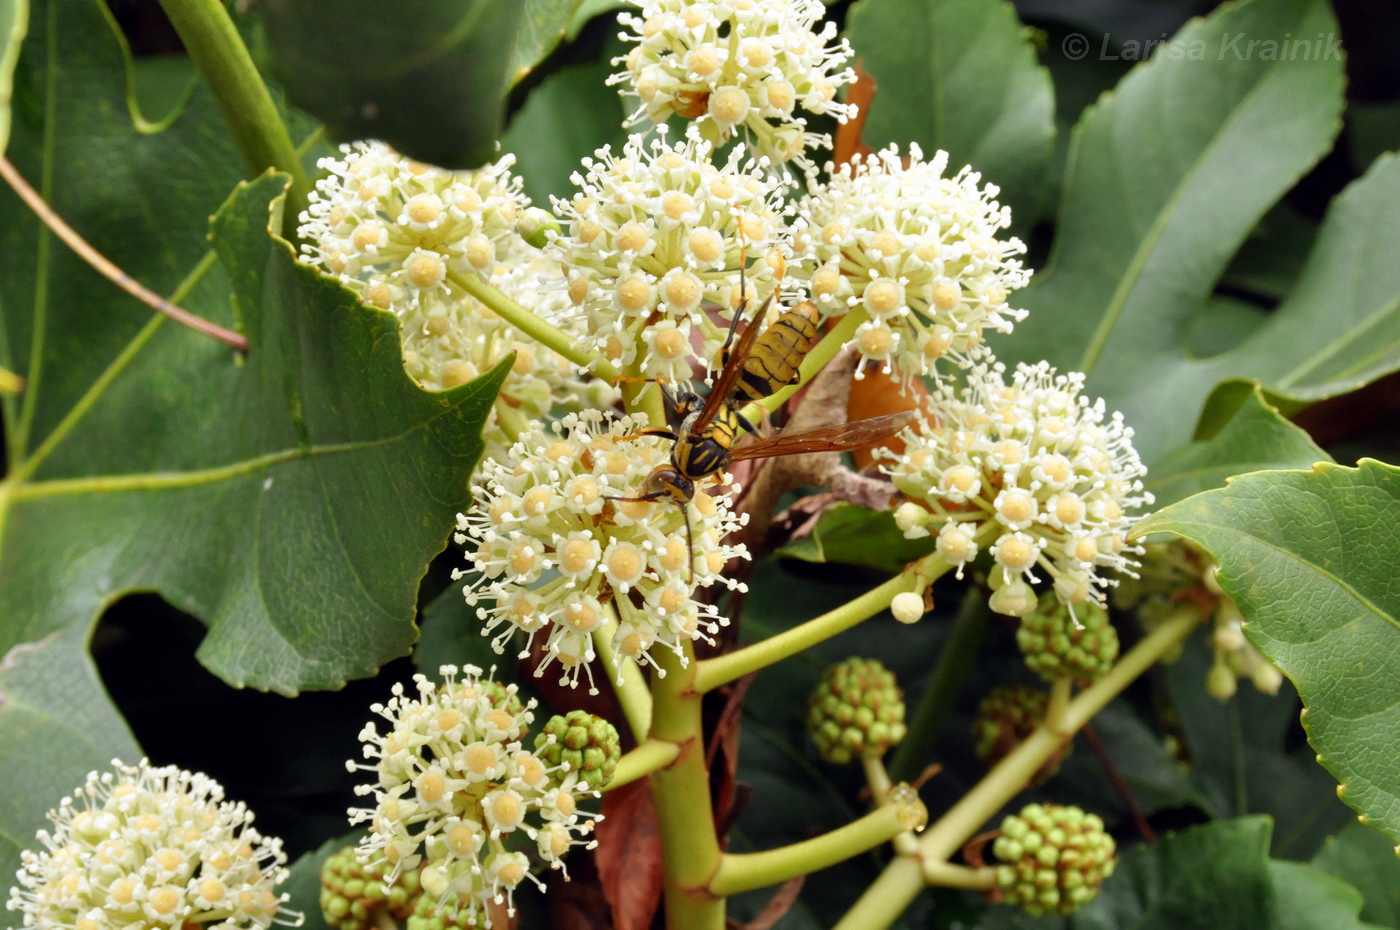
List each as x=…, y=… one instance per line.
x=1255, y=438
x=1308, y=557
x=303, y=884
x=427, y=76
x=1366, y=859
x=1241, y=759
x=962, y=76
x=541, y=29
x=1207, y=877
x=14, y=20
x=452, y=635
x=852, y=535
x=1306, y=898
x=564, y=120
x=1166, y=179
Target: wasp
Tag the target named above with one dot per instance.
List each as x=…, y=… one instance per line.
x=764, y=361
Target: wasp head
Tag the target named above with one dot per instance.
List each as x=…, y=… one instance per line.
x=667, y=481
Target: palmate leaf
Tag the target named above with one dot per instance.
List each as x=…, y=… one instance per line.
x=1366, y=859
x=959, y=75
x=1166, y=179
x=541, y=29
x=429, y=77
x=1309, y=558
x=290, y=500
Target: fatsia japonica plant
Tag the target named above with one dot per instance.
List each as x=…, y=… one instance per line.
x=697, y=463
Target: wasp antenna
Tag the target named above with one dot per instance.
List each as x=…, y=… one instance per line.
x=689, y=544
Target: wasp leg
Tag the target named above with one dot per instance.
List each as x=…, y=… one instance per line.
x=665, y=432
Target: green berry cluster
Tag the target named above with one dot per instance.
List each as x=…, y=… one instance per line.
x=1054, y=859
x=856, y=710
x=1005, y=718
x=458, y=912
x=1056, y=643
x=352, y=893
x=589, y=744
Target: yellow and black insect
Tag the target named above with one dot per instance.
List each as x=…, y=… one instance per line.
x=764, y=361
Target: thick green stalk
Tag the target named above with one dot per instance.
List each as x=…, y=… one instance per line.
x=954, y=665
x=814, y=361
x=681, y=791
x=896, y=888
x=641, y=762
x=734, y=665
x=739, y=872
x=950, y=875
x=262, y=139
x=537, y=329
x=906, y=844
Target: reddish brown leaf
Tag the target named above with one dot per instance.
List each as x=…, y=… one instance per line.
x=778, y=905
x=848, y=135
x=578, y=903
x=629, y=856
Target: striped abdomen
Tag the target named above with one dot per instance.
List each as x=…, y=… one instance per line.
x=777, y=353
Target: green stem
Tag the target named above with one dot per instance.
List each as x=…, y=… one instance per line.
x=906, y=844
x=896, y=888
x=739, y=872
x=954, y=665
x=681, y=791
x=511, y=421
x=537, y=329
x=262, y=139
x=642, y=396
x=950, y=875
x=815, y=360
x=627, y=680
x=1061, y=692
x=649, y=757
x=734, y=665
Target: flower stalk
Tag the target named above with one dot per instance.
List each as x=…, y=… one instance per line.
x=627, y=682
x=542, y=332
x=649, y=757
x=212, y=40
x=721, y=670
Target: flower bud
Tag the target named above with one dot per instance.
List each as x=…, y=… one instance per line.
x=1054, y=859
x=856, y=710
x=907, y=607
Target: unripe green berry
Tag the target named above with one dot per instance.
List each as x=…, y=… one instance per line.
x=457, y=912
x=1054, y=859
x=856, y=710
x=1056, y=646
x=1005, y=718
x=353, y=893
x=589, y=744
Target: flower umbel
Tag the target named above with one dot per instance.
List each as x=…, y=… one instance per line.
x=557, y=558
x=737, y=67
x=1055, y=859
x=1030, y=468
x=454, y=786
x=919, y=254
x=141, y=847
x=656, y=233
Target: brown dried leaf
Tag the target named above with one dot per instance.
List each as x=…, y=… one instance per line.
x=629, y=856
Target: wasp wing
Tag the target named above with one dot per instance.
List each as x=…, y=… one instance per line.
x=733, y=369
x=840, y=438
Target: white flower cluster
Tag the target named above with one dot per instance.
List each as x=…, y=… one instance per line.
x=917, y=253
x=654, y=234
x=454, y=786
x=143, y=847
x=558, y=558
x=406, y=237
x=1030, y=468
x=737, y=67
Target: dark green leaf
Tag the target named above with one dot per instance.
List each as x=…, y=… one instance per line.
x=568, y=117
x=1269, y=261
x=1366, y=859
x=541, y=29
x=1255, y=438
x=1373, y=129
x=429, y=77
x=853, y=535
x=452, y=635
x=589, y=9
x=303, y=885
x=1240, y=760
x=14, y=19
x=1207, y=877
x=1306, y=898
x=1308, y=557
x=959, y=75
x=1167, y=177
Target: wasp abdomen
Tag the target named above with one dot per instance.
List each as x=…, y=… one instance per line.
x=778, y=352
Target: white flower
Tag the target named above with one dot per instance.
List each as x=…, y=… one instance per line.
x=453, y=784
x=556, y=557
x=657, y=232
x=920, y=254
x=143, y=847
x=406, y=236
x=737, y=67
x=1029, y=470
